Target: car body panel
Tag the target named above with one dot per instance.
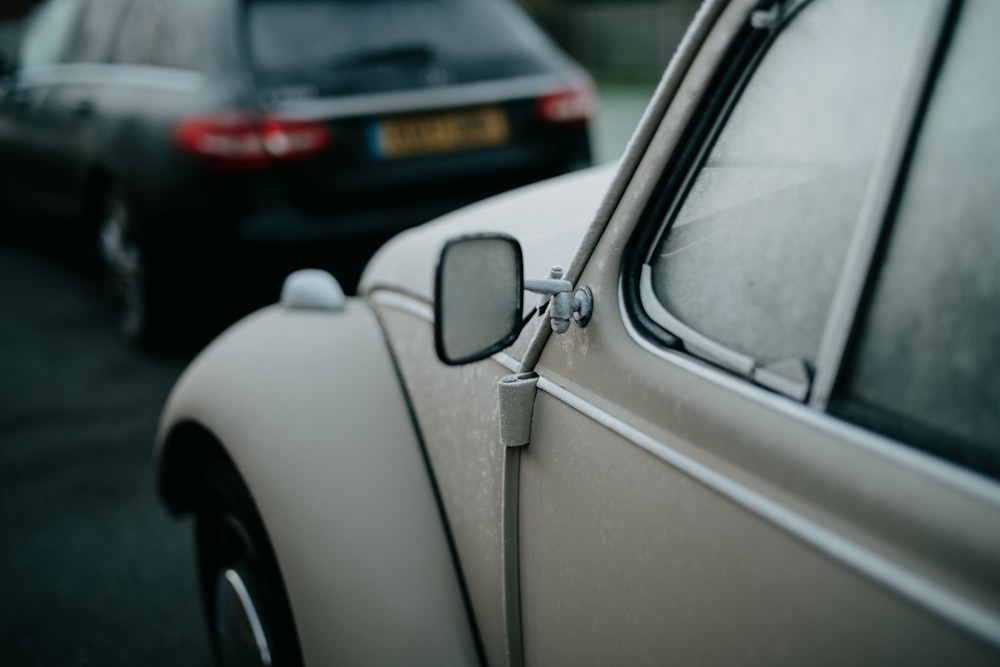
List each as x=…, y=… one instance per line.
x=465, y=455
x=377, y=582
x=891, y=542
x=922, y=546
x=666, y=510
x=731, y=499
x=624, y=568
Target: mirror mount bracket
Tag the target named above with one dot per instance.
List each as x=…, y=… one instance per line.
x=517, y=402
x=564, y=305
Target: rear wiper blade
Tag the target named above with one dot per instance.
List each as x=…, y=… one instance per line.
x=397, y=53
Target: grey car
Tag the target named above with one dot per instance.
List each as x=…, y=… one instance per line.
x=731, y=401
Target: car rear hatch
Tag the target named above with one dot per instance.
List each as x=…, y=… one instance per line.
x=409, y=108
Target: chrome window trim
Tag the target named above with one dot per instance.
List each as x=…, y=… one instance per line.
x=977, y=619
x=916, y=460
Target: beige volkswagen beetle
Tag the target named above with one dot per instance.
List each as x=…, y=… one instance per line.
x=753, y=419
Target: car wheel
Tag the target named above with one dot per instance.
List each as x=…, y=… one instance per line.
x=128, y=271
x=248, y=614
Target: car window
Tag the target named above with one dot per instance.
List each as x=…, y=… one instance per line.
x=137, y=34
x=94, y=36
x=376, y=44
x=927, y=362
x=155, y=33
x=45, y=40
x=176, y=42
x=753, y=250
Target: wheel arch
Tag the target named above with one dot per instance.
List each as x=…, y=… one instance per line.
x=310, y=410
x=188, y=448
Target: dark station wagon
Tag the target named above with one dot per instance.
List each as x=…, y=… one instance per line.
x=189, y=134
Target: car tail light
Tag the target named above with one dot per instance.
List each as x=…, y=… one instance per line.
x=234, y=140
x=572, y=104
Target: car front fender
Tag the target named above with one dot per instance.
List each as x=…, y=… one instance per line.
x=308, y=406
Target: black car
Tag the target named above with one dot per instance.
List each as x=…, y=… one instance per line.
x=186, y=135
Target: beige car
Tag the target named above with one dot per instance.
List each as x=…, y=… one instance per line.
x=753, y=420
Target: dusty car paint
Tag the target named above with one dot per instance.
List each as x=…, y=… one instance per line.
x=465, y=456
x=672, y=533
x=548, y=224
x=375, y=582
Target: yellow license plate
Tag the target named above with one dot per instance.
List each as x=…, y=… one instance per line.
x=406, y=136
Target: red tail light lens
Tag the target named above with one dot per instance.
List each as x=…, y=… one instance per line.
x=572, y=104
x=234, y=140
x=285, y=139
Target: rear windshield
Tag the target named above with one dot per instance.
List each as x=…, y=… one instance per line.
x=364, y=45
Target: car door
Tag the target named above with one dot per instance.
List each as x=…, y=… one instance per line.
x=729, y=464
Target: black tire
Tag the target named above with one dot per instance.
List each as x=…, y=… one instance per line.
x=246, y=607
x=129, y=271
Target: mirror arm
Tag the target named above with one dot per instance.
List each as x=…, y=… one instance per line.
x=564, y=305
x=547, y=286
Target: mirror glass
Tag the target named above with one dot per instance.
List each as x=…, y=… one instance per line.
x=478, y=297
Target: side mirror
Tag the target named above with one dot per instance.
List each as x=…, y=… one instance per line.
x=478, y=297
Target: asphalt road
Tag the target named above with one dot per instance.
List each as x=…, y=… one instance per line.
x=92, y=569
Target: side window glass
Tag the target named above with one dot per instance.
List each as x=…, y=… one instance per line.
x=746, y=270
x=97, y=29
x=154, y=34
x=45, y=40
x=176, y=43
x=926, y=367
x=137, y=34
